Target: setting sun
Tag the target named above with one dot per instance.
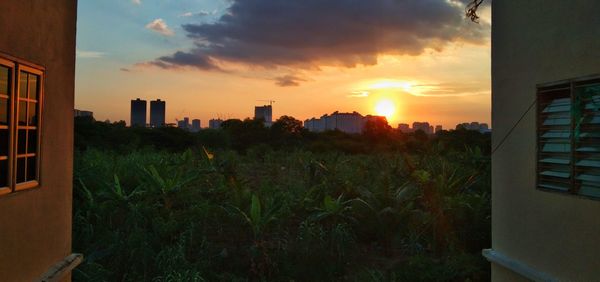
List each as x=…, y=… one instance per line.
x=385, y=108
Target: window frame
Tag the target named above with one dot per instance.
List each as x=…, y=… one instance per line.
x=11, y=84
x=16, y=66
x=571, y=85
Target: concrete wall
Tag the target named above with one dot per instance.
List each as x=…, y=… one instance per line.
x=534, y=42
x=35, y=225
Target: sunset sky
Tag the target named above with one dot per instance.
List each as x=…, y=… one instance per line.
x=218, y=58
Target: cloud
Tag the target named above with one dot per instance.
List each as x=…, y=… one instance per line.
x=201, y=13
x=359, y=94
x=137, y=2
x=424, y=89
x=159, y=25
x=88, y=54
x=288, y=80
x=313, y=33
x=184, y=59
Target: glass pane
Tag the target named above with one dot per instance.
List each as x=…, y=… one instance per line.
x=557, y=134
x=32, y=114
x=3, y=173
x=556, y=173
x=3, y=111
x=20, y=170
x=4, y=80
x=31, y=168
x=4, y=142
x=22, y=113
x=33, y=86
x=556, y=160
x=21, y=141
x=558, y=105
x=23, y=85
x=556, y=147
x=32, y=141
x=558, y=120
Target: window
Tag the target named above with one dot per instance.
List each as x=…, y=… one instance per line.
x=20, y=108
x=568, y=137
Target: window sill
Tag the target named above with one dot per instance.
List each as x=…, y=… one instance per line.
x=4, y=191
x=516, y=266
x=26, y=185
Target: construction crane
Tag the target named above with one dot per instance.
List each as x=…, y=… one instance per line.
x=270, y=101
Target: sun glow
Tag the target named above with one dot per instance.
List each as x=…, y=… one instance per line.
x=390, y=84
x=385, y=108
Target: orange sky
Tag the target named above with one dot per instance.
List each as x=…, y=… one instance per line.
x=446, y=87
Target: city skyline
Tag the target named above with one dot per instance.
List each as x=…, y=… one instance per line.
x=349, y=122
x=442, y=78
x=355, y=120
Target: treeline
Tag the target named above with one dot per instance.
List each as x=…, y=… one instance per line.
x=285, y=133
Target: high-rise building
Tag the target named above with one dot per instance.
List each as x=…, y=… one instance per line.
x=404, y=127
x=423, y=126
x=215, y=123
x=157, y=113
x=438, y=128
x=265, y=113
x=138, y=112
x=345, y=122
x=196, y=125
x=82, y=113
x=184, y=124
x=476, y=126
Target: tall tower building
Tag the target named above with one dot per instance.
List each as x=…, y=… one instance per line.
x=196, y=125
x=157, y=113
x=265, y=113
x=138, y=112
x=184, y=124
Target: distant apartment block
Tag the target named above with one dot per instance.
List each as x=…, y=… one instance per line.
x=138, y=112
x=82, y=113
x=157, y=113
x=423, y=126
x=215, y=123
x=404, y=127
x=265, y=113
x=196, y=125
x=184, y=124
x=481, y=127
x=345, y=122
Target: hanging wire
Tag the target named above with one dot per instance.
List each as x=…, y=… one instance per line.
x=514, y=126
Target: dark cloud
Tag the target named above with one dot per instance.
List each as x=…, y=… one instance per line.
x=313, y=33
x=288, y=80
x=196, y=58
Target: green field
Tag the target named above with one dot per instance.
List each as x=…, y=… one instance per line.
x=271, y=214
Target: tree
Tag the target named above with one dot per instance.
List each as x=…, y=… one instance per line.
x=287, y=125
x=377, y=128
x=471, y=10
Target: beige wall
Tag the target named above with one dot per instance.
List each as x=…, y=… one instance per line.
x=539, y=41
x=35, y=225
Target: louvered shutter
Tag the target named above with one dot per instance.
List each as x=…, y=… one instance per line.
x=587, y=139
x=554, y=138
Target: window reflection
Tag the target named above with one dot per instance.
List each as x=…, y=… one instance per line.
x=23, y=85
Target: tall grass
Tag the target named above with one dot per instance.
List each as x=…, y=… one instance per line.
x=280, y=215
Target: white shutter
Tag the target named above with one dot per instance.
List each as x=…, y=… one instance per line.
x=554, y=138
